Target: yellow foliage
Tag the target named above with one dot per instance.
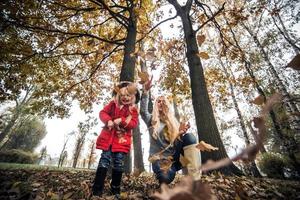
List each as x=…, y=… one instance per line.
x=203, y=55
x=200, y=39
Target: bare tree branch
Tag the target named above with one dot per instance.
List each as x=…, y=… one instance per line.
x=93, y=70
x=211, y=18
x=118, y=17
x=170, y=18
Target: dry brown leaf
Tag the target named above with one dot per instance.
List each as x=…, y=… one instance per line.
x=203, y=55
x=258, y=100
x=150, y=55
x=132, y=88
x=152, y=49
x=274, y=99
x=154, y=158
x=202, y=146
x=165, y=164
x=186, y=189
x=116, y=89
x=144, y=76
x=200, y=39
x=295, y=63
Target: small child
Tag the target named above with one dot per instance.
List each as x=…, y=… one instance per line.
x=120, y=116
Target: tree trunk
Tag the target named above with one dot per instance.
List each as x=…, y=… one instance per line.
x=290, y=144
x=138, y=152
x=291, y=107
x=206, y=124
x=10, y=124
x=92, y=152
x=252, y=167
x=248, y=68
x=61, y=154
x=128, y=163
x=128, y=65
x=285, y=33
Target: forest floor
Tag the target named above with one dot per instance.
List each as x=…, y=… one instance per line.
x=48, y=183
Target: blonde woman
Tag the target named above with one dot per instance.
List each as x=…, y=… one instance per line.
x=171, y=147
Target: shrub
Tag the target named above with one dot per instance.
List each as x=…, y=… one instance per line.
x=17, y=156
x=273, y=165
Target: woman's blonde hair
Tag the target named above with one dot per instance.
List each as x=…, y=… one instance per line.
x=171, y=122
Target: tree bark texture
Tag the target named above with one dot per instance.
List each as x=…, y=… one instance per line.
x=206, y=124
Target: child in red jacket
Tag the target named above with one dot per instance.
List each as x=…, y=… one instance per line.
x=120, y=116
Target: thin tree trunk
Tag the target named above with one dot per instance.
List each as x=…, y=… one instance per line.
x=206, y=124
x=138, y=152
x=291, y=145
x=252, y=168
x=92, y=152
x=291, y=105
x=285, y=33
x=61, y=153
x=10, y=124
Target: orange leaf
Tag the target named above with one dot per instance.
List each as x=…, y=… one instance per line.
x=206, y=147
x=203, y=55
x=165, y=164
x=258, y=100
x=144, y=76
x=200, y=39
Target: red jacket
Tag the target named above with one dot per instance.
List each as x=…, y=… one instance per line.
x=109, y=137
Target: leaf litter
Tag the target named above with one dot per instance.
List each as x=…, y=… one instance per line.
x=38, y=184
x=45, y=184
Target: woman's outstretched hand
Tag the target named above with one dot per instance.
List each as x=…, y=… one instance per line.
x=148, y=84
x=184, y=127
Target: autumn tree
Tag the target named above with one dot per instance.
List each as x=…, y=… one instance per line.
x=206, y=125
x=91, y=158
x=63, y=152
x=43, y=154
x=26, y=135
x=263, y=44
x=83, y=130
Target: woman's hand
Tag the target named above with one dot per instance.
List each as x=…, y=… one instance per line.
x=148, y=85
x=184, y=127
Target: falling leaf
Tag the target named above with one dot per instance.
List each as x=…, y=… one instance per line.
x=165, y=164
x=144, y=76
x=203, y=55
x=152, y=49
x=258, y=100
x=200, y=39
x=206, y=147
x=132, y=88
x=295, y=63
x=186, y=189
x=154, y=158
x=150, y=55
x=116, y=89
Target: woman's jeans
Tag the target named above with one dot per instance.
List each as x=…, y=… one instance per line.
x=168, y=177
